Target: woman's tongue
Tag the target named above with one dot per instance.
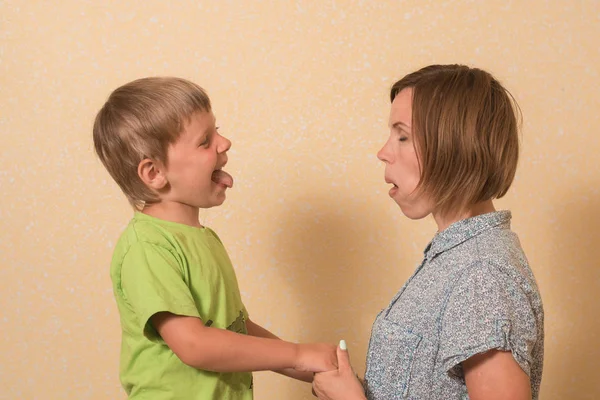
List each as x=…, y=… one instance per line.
x=223, y=178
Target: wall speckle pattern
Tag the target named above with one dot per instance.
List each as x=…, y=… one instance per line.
x=301, y=88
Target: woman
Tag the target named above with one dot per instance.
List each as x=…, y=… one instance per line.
x=469, y=322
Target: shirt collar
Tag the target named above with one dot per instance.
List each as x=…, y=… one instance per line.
x=464, y=230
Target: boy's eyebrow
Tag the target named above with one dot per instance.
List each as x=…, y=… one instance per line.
x=212, y=127
x=208, y=131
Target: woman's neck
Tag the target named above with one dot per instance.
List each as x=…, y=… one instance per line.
x=444, y=221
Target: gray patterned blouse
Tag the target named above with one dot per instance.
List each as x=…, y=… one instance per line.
x=474, y=291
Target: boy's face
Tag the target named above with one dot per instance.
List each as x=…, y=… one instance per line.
x=194, y=164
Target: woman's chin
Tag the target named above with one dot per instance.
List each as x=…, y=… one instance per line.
x=412, y=212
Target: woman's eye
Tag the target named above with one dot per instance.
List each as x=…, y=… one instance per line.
x=403, y=138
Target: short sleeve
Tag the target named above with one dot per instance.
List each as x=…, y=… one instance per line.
x=486, y=310
x=152, y=281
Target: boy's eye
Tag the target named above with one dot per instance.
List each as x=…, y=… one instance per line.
x=206, y=141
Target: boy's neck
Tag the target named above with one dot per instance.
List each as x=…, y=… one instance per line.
x=174, y=212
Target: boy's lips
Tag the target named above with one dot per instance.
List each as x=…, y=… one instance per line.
x=222, y=178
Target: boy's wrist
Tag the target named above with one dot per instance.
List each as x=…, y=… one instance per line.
x=296, y=354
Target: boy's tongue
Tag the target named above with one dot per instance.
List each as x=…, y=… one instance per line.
x=221, y=177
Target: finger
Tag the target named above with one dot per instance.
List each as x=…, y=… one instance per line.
x=343, y=357
x=317, y=383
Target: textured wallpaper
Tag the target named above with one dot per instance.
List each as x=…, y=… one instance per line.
x=301, y=89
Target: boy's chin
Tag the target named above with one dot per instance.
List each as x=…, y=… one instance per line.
x=216, y=201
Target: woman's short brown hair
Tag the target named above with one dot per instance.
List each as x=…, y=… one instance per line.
x=465, y=129
x=139, y=120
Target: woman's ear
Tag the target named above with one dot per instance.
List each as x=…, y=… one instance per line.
x=152, y=173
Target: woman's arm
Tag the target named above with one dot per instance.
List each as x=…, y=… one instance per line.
x=495, y=375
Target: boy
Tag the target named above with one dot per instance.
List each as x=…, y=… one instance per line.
x=186, y=332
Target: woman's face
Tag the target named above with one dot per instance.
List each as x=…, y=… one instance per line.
x=402, y=168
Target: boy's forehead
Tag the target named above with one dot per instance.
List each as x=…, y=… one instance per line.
x=202, y=119
x=198, y=124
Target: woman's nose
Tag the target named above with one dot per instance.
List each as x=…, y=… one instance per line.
x=382, y=155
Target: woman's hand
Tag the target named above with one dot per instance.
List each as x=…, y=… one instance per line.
x=341, y=384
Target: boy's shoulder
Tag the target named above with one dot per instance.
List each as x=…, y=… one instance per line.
x=144, y=230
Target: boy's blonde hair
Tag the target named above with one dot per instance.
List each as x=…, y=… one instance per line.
x=465, y=125
x=140, y=120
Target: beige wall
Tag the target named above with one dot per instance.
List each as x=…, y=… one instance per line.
x=301, y=88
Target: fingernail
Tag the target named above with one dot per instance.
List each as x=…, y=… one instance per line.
x=343, y=344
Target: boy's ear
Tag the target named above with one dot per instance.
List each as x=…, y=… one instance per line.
x=152, y=173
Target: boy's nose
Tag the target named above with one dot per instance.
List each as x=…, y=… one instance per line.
x=224, y=144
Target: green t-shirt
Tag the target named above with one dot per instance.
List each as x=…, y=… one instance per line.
x=165, y=266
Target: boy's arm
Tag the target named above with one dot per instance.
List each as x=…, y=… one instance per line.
x=258, y=331
x=220, y=350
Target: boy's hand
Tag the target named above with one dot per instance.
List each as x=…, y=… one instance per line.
x=318, y=357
